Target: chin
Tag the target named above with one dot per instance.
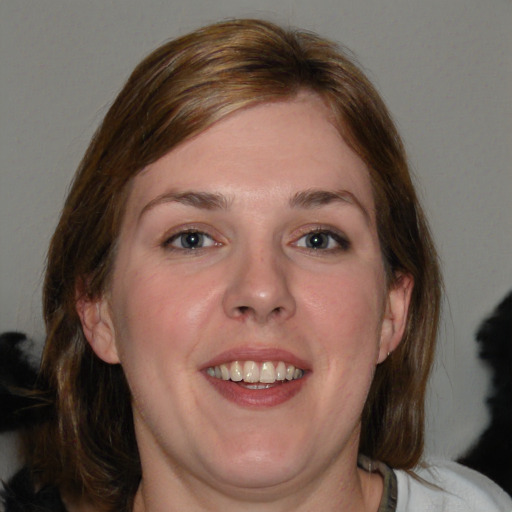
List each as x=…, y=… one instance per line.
x=260, y=467
x=258, y=474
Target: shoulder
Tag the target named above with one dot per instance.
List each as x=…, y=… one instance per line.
x=447, y=486
x=19, y=495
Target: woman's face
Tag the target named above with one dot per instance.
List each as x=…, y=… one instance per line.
x=248, y=304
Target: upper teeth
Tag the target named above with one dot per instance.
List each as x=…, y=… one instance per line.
x=252, y=372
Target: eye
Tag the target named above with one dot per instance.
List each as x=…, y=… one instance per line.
x=190, y=240
x=325, y=240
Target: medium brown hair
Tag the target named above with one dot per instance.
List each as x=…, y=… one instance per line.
x=87, y=446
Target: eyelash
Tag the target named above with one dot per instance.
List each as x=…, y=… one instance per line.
x=342, y=243
x=168, y=242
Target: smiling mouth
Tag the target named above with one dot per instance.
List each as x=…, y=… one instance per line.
x=254, y=375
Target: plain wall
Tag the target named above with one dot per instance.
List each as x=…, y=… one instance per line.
x=444, y=68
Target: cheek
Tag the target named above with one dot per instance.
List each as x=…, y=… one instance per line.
x=348, y=301
x=161, y=307
x=344, y=312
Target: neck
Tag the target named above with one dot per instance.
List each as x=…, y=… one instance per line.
x=339, y=487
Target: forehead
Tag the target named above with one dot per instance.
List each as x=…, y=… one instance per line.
x=282, y=147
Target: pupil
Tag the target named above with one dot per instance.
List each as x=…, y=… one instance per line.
x=191, y=240
x=317, y=241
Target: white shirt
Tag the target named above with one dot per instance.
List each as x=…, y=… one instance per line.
x=455, y=488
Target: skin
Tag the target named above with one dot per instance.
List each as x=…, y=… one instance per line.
x=253, y=284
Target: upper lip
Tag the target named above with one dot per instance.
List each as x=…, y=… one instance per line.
x=257, y=354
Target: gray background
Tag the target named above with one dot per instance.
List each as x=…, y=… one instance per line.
x=443, y=66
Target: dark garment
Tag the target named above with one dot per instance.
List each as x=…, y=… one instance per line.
x=390, y=492
x=20, y=495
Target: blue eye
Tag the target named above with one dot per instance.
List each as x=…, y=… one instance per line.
x=190, y=240
x=323, y=240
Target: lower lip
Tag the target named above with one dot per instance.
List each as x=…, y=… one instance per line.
x=258, y=398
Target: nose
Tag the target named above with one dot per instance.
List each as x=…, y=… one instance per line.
x=259, y=288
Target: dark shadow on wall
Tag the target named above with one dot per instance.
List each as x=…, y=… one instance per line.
x=492, y=452
x=17, y=379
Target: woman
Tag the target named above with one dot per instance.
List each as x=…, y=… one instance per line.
x=242, y=294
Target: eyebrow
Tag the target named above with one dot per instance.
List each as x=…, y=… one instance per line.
x=316, y=198
x=306, y=199
x=201, y=200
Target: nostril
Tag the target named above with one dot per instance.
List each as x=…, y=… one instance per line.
x=244, y=311
x=260, y=301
